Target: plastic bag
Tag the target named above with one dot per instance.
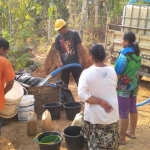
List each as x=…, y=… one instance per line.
x=46, y=121
x=66, y=94
x=78, y=120
x=32, y=124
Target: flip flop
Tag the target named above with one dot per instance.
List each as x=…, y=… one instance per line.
x=122, y=143
x=131, y=137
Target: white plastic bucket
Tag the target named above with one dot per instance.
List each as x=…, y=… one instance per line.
x=12, y=100
x=25, y=107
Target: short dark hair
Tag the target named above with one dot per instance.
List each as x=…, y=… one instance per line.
x=4, y=43
x=98, y=52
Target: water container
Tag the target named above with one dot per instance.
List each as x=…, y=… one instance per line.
x=54, y=108
x=25, y=107
x=32, y=124
x=71, y=109
x=12, y=100
x=52, y=138
x=74, y=140
x=136, y=16
x=46, y=121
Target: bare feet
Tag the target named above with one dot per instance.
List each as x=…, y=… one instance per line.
x=122, y=142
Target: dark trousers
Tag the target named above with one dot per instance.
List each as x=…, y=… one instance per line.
x=76, y=72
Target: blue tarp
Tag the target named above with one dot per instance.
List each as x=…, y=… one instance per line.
x=133, y=1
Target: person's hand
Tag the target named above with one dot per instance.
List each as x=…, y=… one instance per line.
x=60, y=63
x=83, y=65
x=107, y=107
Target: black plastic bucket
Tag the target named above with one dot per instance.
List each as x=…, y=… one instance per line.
x=71, y=109
x=54, y=108
x=46, y=146
x=74, y=140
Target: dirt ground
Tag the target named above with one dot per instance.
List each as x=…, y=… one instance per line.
x=15, y=132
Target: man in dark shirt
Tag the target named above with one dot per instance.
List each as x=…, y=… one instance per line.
x=68, y=44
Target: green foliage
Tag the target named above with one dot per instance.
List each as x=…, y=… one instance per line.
x=25, y=34
x=115, y=8
x=22, y=21
x=51, y=11
x=7, y=36
x=18, y=57
x=62, y=11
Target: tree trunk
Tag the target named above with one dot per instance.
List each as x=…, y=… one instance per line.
x=44, y=18
x=83, y=18
x=50, y=24
x=104, y=4
x=71, y=9
x=96, y=12
x=10, y=22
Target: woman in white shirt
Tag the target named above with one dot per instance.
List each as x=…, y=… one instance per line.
x=97, y=88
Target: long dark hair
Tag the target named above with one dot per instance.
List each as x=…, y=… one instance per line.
x=130, y=37
x=98, y=52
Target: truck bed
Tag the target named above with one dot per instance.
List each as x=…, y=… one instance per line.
x=113, y=46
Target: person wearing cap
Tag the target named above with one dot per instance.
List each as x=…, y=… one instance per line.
x=7, y=74
x=69, y=45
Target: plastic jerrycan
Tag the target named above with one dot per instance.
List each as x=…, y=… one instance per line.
x=32, y=124
x=46, y=121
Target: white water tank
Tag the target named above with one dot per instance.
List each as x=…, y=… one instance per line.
x=137, y=16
